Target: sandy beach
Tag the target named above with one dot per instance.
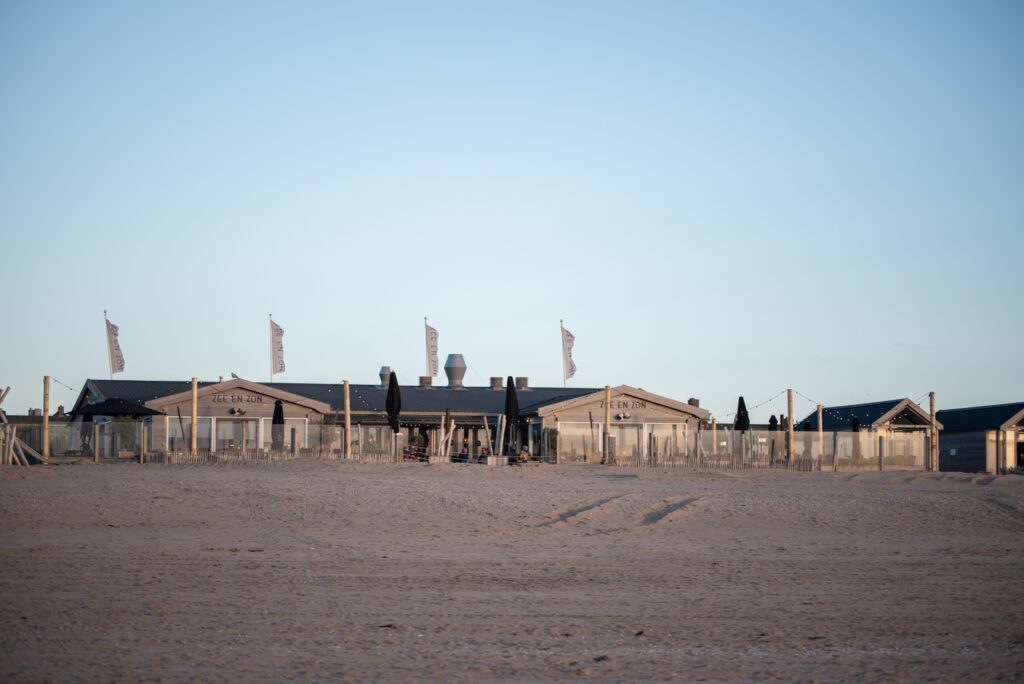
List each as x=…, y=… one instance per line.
x=327, y=570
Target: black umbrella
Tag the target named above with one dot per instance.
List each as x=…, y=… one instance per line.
x=277, y=427
x=742, y=421
x=773, y=424
x=855, y=428
x=393, y=404
x=116, y=407
x=511, y=411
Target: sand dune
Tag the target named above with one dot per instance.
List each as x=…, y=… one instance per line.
x=334, y=570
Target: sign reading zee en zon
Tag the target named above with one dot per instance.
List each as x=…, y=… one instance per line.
x=236, y=399
x=625, y=404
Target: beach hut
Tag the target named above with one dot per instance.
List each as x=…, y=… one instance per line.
x=987, y=439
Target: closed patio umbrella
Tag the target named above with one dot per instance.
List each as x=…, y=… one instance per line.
x=277, y=427
x=393, y=404
x=511, y=414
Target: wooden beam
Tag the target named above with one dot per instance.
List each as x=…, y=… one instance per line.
x=46, y=416
x=348, y=423
x=195, y=415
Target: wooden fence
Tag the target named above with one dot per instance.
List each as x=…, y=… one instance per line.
x=256, y=455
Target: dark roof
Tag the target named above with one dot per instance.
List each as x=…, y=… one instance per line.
x=976, y=418
x=841, y=417
x=415, y=399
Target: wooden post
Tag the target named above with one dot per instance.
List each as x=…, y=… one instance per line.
x=821, y=439
x=348, y=423
x=714, y=438
x=881, y=450
x=933, y=437
x=46, y=416
x=789, y=425
x=607, y=422
x=195, y=416
x=95, y=442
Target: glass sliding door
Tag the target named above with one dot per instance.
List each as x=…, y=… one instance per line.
x=235, y=434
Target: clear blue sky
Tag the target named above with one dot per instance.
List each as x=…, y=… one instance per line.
x=719, y=198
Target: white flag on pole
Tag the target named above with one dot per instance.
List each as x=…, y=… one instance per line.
x=114, y=349
x=276, y=348
x=568, y=367
x=432, y=364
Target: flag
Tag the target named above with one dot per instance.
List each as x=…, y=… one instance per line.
x=276, y=348
x=432, y=364
x=568, y=367
x=114, y=349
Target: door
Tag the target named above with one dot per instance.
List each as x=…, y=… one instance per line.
x=236, y=434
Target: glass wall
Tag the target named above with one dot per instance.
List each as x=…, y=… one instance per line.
x=237, y=434
x=579, y=442
x=179, y=431
x=297, y=424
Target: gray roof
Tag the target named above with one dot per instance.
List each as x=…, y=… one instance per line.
x=978, y=418
x=365, y=398
x=841, y=417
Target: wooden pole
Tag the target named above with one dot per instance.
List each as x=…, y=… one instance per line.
x=46, y=416
x=195, y=416
x=821, y=439
x=95, y=442
x=348, y=423
x=142, y=443
x=607, y=422
x=933, y=441
x=714, y=437
x=789, y=425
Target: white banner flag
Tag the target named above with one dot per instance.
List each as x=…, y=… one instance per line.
x=432, y=364
x=276, y=348
x=114, y=349
x=568, y=367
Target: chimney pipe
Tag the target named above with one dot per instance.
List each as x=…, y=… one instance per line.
x=385, y=375
x=497, y=383
x=426, y=381
x=455, y=369
x=522, y=383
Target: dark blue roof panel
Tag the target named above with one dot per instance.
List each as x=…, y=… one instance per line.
x=977, y=418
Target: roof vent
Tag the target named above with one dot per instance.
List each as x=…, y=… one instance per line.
x=694, y=402
x=522, y=383
x=455, y=369
x=426, y=381
x=385, y=375
x=497, y=383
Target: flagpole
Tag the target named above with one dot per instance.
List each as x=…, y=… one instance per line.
x=271, y=317
x=106, y=329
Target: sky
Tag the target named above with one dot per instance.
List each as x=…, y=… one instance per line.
x=718, y=198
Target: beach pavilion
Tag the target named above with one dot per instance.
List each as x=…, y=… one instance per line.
x=891, y=433
x=556, y=424
x=986, y=439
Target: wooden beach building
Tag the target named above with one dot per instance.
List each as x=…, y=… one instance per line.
x=894, y=433
x=988, y=439
x=555, y=424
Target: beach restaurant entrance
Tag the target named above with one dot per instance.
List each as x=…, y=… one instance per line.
x=234, y=416
x=643, y=427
